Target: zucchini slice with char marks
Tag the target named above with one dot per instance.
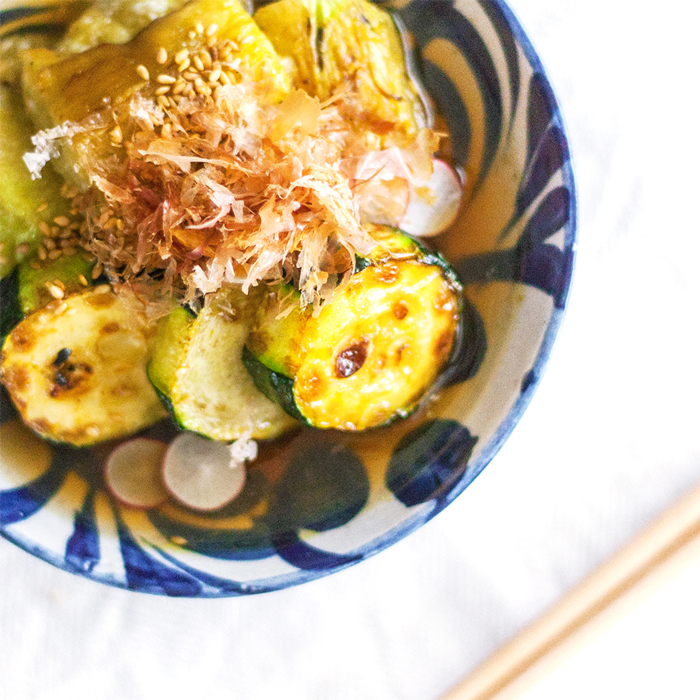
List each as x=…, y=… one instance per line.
x=76, y=368
x=197, y=370
x=371, y=354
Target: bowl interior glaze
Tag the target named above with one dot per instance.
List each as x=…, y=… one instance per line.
x=319, y=501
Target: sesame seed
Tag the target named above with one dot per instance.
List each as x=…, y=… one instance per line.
x=162, y=56
x=49, y=244
x=55, y=254
x=55, y=231
x=198, y=63
x=163, y=90
x=35, y=265
x=163, y=102
x=97, y=271
x=181, y=67
x=102, y=289
x=206, y=58
x=61, y=308
x=179, y=87
x=211, y=41
x=82, y=280
x=61, y=220
x=143, y=72
x=165, y=79
x=54, y=291
x=212, y=29
x=191, y=34
x=215, y=75
x=181, y=56
x=44, y=228
x=247, y=40
x=70, y=250
x=190, y=76
x=59, y=284
x=41, y=252
x=42, y=207
x=199, y=28
x=224, y=78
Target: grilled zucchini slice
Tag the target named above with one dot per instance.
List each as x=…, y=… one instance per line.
x=76, y=369
x=197, y=370
x=371, y=354
x=332, y=45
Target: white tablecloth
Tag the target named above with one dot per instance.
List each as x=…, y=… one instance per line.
x=610, y=439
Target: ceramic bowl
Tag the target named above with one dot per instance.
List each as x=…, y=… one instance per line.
x=320, y=501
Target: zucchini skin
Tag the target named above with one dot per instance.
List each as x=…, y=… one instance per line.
x=375, y=351
x=10, y=308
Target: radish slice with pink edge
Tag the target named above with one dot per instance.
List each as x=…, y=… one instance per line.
x=428, y=216
x=202, y=474
x=133, y=473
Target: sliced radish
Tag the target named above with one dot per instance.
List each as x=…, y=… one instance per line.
x=434, y=204
x=202, y=474
x=133, y=473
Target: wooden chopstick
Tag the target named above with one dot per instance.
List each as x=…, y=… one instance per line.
x=631, y=574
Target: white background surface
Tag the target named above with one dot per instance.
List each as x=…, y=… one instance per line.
x=610, y=439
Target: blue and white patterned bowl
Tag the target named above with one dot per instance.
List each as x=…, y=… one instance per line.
x=321, y=501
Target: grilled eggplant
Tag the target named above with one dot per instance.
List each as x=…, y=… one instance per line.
x=333, y=46
x=97, y=83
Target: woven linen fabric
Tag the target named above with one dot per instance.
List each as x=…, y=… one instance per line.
x=608, y=442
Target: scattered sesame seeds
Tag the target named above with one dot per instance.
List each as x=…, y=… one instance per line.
x=163, y=90
x=59, y=284
x=55, y=254
x=184, y=65
x=198, y=63
x=42, y=207
x=44, y=228
x=199, y=28
x=61, y=220
x=165, y=79
x=215, y=75
x=163, y=101
x=162, y=56
x=142, y=72
x=181, y=56
x=96, y=271
x=212, y=29
x=82, y=280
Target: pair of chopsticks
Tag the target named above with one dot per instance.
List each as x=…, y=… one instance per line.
x=629, y=576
